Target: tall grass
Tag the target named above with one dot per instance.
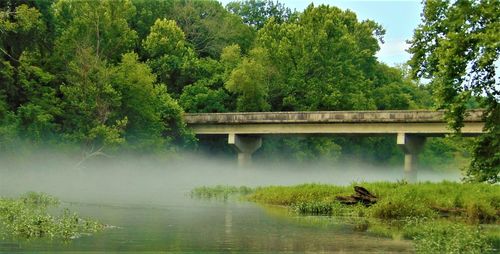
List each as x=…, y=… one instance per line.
x=420, y=211
x=219, y=192
x=473, y=202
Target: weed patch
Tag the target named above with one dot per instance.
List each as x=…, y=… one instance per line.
x=27, y=217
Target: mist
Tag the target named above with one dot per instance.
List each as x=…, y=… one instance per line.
x=158, y=180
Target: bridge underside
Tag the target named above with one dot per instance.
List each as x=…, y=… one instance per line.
x=368, y=129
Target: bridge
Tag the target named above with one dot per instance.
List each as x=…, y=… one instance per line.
x=244, y=130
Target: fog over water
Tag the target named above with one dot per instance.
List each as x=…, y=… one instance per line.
x=157, y=180
x=147, y=199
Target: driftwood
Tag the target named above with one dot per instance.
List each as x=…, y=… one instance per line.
x=361, y=195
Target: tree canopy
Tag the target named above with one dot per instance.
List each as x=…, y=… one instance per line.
x=456, y=46
x=117, y=75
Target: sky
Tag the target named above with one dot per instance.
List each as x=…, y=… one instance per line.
x=398, y=17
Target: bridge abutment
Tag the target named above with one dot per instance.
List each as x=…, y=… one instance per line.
x=245, y=145
x=411, y=146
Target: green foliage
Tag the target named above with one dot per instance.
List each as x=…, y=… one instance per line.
x=102, y=26
x=210, y=28
x=484, y=166
x=27, y=217
x=322, y=60
x=40, y=105
x=250, y=81
x=472, y=202
x=410, y=209
x=442, y=154
x=447, y=237
x=135, y=83
x=8, y=126
x=38, y=199
x=199, y=98
x=257, y=12
x=147, y=12
x=277, y=195
x=300, y=149
x=400, y=207
x=20, y=29
x=91, y=102
x=456, y=47
x=313, y=208
x=168, y=52
x=219, y=192
x=109, y=75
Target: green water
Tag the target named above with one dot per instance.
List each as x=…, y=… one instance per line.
x=196, y=226
x=151, y=211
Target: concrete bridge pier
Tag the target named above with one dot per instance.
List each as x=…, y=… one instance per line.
x=245, y=145
x=411, y=146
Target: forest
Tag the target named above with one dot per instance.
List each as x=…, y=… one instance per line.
x=116, y=76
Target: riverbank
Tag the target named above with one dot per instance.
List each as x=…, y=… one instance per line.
x=439, y=217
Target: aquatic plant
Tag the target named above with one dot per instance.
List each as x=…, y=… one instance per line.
x=28, y=217
x=442, y=236
x=220, y=192
x=313, y=208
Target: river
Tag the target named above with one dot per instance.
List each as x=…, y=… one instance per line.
x=150, y=209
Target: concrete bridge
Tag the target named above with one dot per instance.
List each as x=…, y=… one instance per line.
x=244, y=130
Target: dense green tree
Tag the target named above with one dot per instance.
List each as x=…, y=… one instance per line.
x=102, y=26
x=147, y=12
x=20, y=30
x=107, y=74
x=200, y=98
x=250, y=80
x=322, y=60
x=169, y=54
x=40, y=105
x=149, y=110
x=299, y=149
x=207, y=93
x=91, y=104
x=394, y=89
x=209, y=27
x=8, y=126
x=135, y=84
x=256, y=12
x=456, y=46
x=28, y=88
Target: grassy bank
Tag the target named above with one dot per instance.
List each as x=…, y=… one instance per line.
x=444, y=217
x=475, y=203
x=28, y=217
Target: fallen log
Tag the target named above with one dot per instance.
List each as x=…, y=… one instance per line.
x=361, y=195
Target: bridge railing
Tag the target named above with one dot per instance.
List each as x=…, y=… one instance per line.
x=379, y=116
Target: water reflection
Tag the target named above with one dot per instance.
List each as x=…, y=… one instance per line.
x=147, y=202
x=216, y=227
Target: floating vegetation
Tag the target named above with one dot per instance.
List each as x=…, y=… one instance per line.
x=28, y=217
x=221, y=192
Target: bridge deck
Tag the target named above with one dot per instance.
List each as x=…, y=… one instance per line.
x=423, y=122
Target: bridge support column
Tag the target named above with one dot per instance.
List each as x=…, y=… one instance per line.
x=245, y=146
x=411, y=146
